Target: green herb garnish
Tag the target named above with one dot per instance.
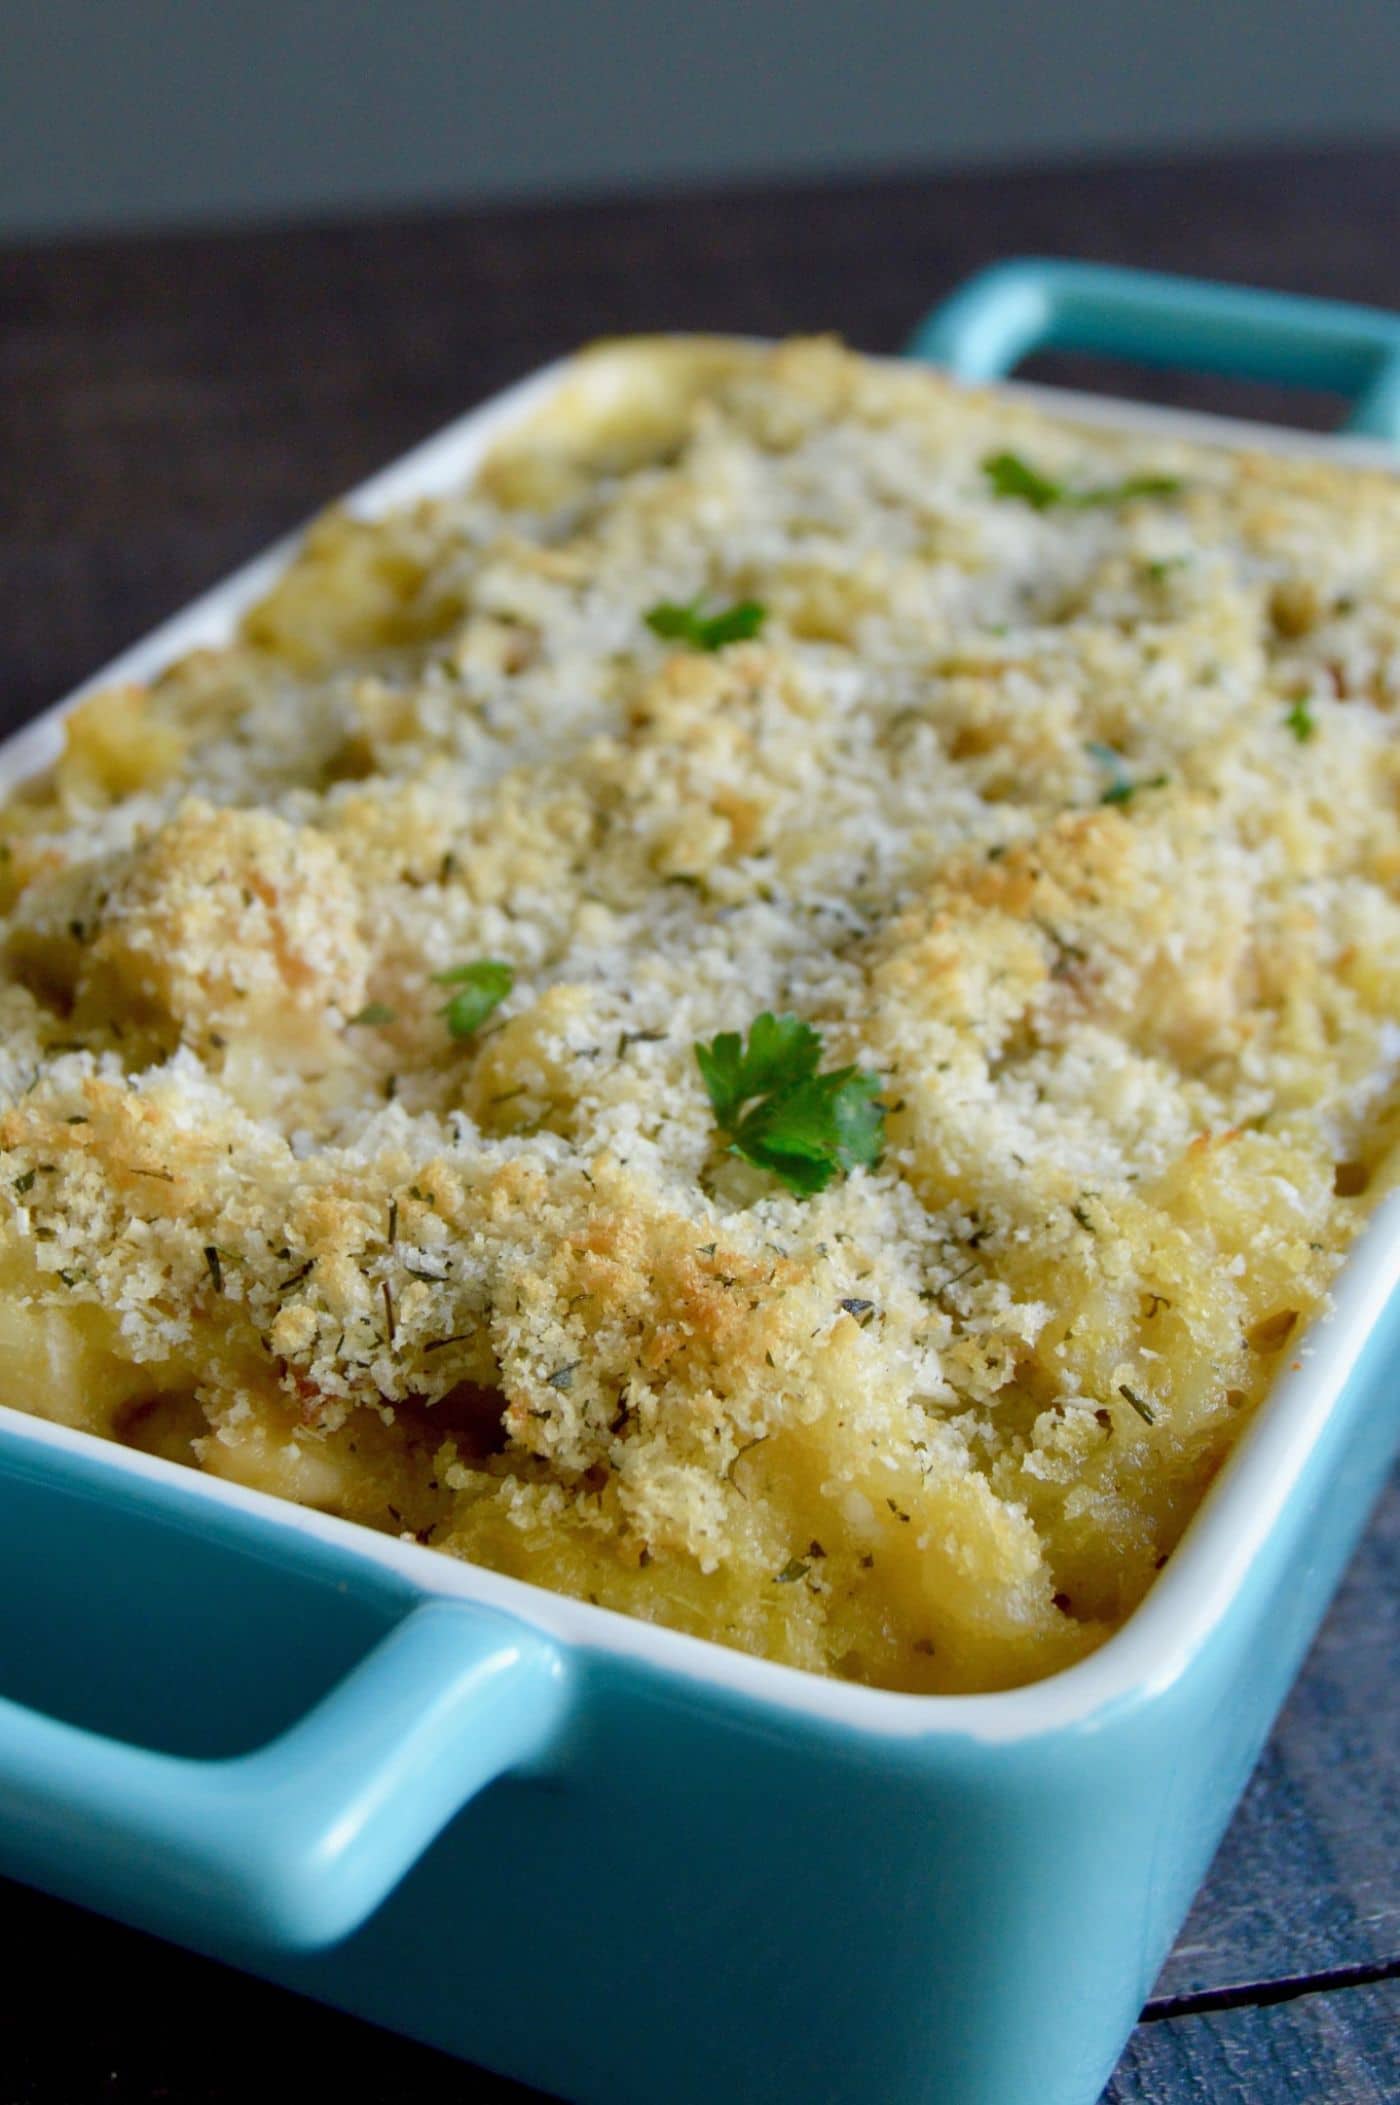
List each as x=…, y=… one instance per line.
x=374, y=1012
x=1010, y=476
x=802, y=1125
x=25, y=1183
x=216, y=1270
x=793, y=1570
x=1300, y=720
x=1122, y=789
x=481, y=987
x=707, y=632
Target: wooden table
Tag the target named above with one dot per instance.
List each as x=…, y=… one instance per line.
x=166, y=407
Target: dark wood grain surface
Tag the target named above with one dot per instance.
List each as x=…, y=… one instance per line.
x=167, y=406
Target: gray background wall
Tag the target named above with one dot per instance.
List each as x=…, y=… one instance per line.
x=140, y=112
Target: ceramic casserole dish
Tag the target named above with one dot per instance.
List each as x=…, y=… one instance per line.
x=619, y=1863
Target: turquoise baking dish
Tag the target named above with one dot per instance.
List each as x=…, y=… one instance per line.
x=617, y=1863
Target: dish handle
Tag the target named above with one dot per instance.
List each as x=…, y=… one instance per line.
x=294, y=1844
x=1032, y=304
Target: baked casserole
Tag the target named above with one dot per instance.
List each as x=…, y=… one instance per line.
x=777, y=1016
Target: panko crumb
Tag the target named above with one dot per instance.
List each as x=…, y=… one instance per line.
x=1075, y=825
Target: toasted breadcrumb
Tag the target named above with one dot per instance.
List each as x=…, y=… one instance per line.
x=1006, y=801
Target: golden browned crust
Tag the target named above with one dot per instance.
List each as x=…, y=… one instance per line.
x=1077, y=826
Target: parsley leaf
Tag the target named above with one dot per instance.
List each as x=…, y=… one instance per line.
x=481, y=987
x=375, y=1012
x=806, y=1133
x=707, y=632
x=1300, y=720
x=1133, y=486
x=781, y=1050
x=801, y=1125
x=1010, y=476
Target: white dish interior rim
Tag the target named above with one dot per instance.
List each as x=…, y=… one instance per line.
x=1200, y=1582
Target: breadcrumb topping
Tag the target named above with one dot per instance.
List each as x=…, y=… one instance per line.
x=1071, y=817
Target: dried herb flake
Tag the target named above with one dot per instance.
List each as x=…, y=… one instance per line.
x=1143, y=1409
